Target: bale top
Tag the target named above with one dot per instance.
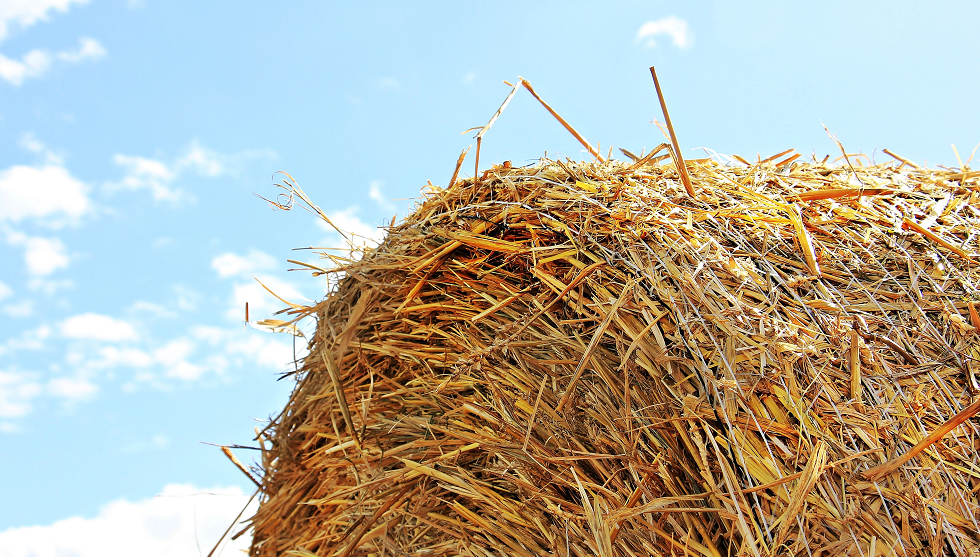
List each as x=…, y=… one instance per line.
x=576, y=358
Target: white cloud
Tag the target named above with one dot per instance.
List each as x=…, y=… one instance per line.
x=182, y=520
x=96, y=326
x=45, y=255
x=347, y=220
x=31, y=143
x=23, y=308
x=17, y=389
x=72, y=388
x=113, y=356
x=230, y=264
x=31, y=339
x=173, y=356
x=180, y=359
x=185, y=371
x=48, y=192
x=201, y=353
x=156, y=443
x=28, y=12
x=209, y=334
x=33, y=64
x=268, y=351
x=672, y=26
x=378, y=197
x=186, y=298
x=88, y=49
x=38, y=61
x=144, y=173
x=4, y=290
x=172, y=359
x=265, y=349
x=205, y=161
x=158, y=176
x=151, y=308
x=39, y=284
x=389, y=83
x=261, y=304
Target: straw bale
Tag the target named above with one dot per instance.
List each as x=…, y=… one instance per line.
x=579, y=358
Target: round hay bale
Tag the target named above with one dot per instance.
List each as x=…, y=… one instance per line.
x=581, y=359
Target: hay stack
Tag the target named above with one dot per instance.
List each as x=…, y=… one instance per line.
x=581, y=359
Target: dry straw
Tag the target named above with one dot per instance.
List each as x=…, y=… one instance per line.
x=580, y=358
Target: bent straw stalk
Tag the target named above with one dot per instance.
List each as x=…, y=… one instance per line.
x=681, y=167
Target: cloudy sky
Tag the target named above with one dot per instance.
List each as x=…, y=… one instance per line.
x=133, y=135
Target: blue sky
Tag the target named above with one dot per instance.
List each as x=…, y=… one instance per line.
x=134, y=134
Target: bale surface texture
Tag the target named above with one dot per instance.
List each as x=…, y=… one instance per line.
x=580, y=359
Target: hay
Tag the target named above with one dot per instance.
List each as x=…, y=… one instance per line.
x=585, y=359
x=581, y=359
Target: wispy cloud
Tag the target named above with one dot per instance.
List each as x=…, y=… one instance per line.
x=202, y=352
x=37, y=62
x=48, y=193
x=144, y=173
x=30, y=142
x=261, y=303
x=101, y=349
x=180, y=360
x=375, y=193
x=20, y=389
x=389, y=83
x=159, y=177
x=17, y=390
x=359, y=232
x=26, y=13
x=204, y=161
x=179, y=521
x=22, y=308
x=673, y=27
x=158, y=442
x=157, y=310
x=31, y=65
x=248, y=286
x=96, y=326
x=174, y=356
x=78, y=388
x=268, y=350
x=49, y=286
x=88, y=49
x=187, y=298
x=44, y=256
x=31, y=339
x=231, y=264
